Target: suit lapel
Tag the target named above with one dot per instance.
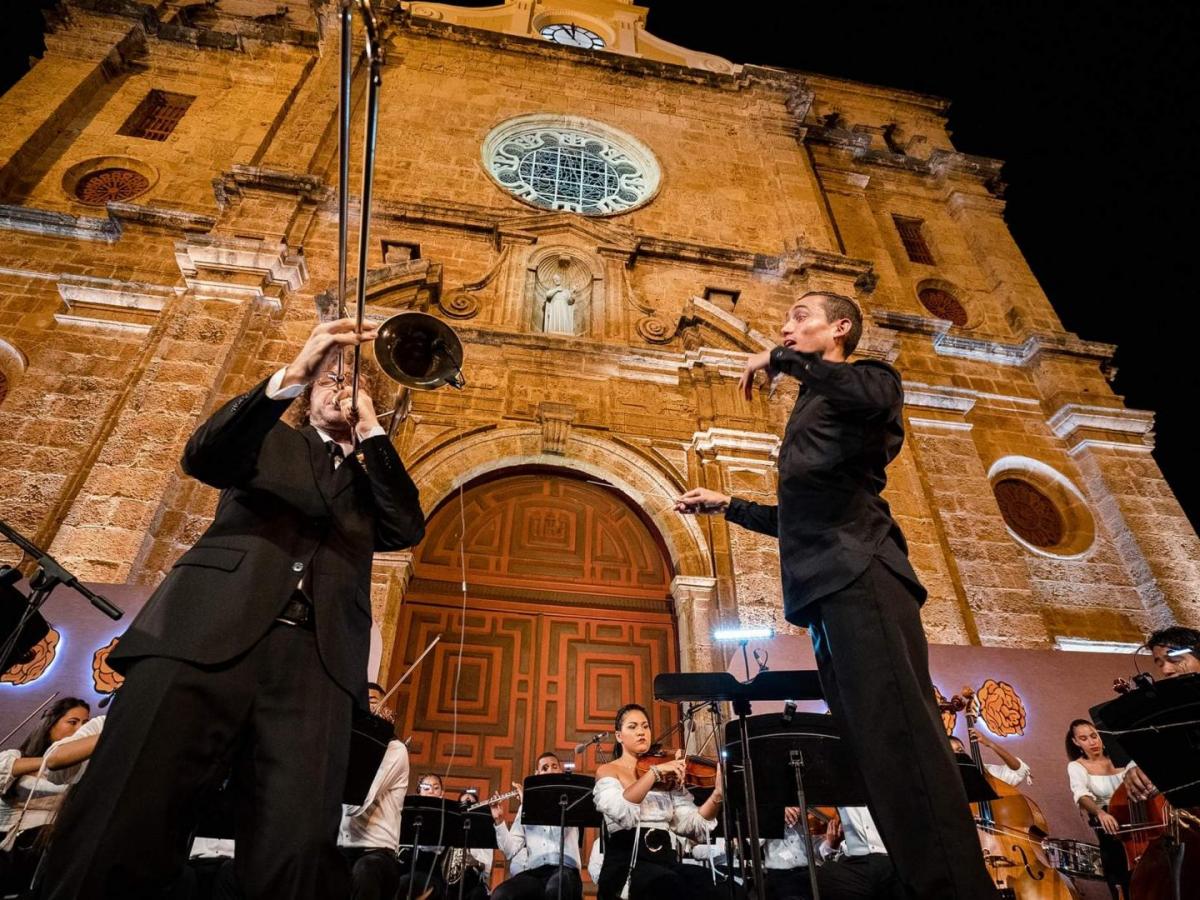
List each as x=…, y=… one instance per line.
x=318, y=457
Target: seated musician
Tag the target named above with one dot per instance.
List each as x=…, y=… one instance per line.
x=1013, y=772
x=1175, y=651
x=1094, y=779
x=645, y=821
x=785, y=861
x=477, y=862
x=34, y=779
x=420, y=866
x=539, y=879
x=857, y=863
x=370, y=834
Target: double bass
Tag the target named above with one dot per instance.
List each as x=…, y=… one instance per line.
x=1011, y=830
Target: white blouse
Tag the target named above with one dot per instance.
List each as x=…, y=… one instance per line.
x=1099, y=787
x=673, y=810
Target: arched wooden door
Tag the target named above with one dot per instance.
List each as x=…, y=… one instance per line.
x=567, y=618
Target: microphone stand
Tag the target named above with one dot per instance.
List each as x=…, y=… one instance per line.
x=49, y=575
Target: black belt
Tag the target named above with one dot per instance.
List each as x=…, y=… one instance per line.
x=298, y=612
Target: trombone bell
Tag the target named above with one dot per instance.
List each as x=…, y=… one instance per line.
x=420, y=351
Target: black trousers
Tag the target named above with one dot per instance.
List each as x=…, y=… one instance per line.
x=541, y=884
x=874, y=666
x=374, y=873
x=658, y=874
x=272, y=716
x=788, y=884
x=871, y=877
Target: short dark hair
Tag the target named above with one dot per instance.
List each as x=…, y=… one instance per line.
x=839, y=306
x=1179, y=636
x=427, y=775
x=1074, y=751
x=544, y=754
x=620, y=717
x=376, y=685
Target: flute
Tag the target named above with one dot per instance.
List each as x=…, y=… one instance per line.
x=499, y=798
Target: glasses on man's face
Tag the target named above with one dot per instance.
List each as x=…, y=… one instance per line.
x=330, y=380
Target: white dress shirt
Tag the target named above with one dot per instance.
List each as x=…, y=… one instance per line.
x=212, y=848
x=860, y=836
x=1013, y=777
x=539, y=841
x=673, y=810
x=786, y=852
x=595, y=862
x=376, y=823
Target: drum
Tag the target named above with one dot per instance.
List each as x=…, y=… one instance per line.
x=1074, y=858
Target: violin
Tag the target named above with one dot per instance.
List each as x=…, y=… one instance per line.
x=701, y=772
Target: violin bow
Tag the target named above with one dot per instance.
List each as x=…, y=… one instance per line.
x=399, y=681
x=23, y=722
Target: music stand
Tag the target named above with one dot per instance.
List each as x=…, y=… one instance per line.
x=434, y=815
x=718, y=686
x=478, y=833
x=560, y=801
x=797, y=755
x=369, y=739
x=977, y=787
x=1159, y=726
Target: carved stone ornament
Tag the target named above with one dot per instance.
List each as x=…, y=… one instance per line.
x=654, y=330
x=459, y=305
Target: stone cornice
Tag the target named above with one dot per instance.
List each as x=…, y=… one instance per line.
x=237, y=269
x=1082, y=424
x=147, y=15
x=954, y=343
x=732, y=445
x=93, y=228
x=299, y=184
x=108, y=303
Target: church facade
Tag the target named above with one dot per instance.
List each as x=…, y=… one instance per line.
x=610, y=223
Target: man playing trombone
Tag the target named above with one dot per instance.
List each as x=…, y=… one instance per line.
x=252, y=652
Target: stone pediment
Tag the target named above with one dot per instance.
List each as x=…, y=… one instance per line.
x=537, y=227
x=412, y=284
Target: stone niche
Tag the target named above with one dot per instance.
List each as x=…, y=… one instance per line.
x=559, y=286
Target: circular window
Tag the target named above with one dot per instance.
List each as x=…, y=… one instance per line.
x=1029, y=512
x=571, y=164
x=110, y=185
x=1042, y=510
x=943, y=305
x=108, y=179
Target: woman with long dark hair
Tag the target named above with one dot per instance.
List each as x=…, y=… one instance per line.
x=30, y=793
x=646, y=822
x=1094, y=779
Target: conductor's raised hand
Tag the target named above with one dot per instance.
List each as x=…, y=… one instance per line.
x=325, y=337
x=759, y=362
x=702, y=500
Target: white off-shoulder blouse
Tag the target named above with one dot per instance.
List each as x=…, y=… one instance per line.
x=673, y=810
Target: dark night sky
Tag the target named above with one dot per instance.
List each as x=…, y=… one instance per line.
x=1093, y=106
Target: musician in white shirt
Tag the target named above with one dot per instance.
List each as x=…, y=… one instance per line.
x=858, y=864
x=370, y=833
x=1015, y=770
x=540, y=842
x=785, y=861
x=1094, y=779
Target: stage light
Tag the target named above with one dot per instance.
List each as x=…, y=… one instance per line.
x=757, y=633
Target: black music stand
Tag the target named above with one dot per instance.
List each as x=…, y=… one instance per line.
x=977, y=787
x=478, y=833
x=437, y=817
x=560, y=801
x=1159, y=726
x=722, y=686
x=797, y=755
x=369, y=738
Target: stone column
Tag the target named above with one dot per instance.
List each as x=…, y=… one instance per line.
x=695, y=608
x=390, y=577
x=1152, y=535
x=991, y=578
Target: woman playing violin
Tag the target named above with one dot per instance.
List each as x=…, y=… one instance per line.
x=645, y=818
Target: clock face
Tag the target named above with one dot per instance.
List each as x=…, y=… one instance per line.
x=573, y=36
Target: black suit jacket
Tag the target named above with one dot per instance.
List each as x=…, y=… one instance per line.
x=831, y=520
x=283, y=515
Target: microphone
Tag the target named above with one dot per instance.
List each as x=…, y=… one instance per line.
x=594, y=739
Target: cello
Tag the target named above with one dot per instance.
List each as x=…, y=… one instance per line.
x=1011, y=830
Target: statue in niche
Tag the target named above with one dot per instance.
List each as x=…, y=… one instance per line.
x=561, y=285
x=557, y=315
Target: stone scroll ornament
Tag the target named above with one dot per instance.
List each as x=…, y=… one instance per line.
x=35, y=662
x=104, y=678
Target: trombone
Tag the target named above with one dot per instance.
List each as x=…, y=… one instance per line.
x=415, y=349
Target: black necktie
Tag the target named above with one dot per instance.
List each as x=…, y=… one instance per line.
x=336, y=455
